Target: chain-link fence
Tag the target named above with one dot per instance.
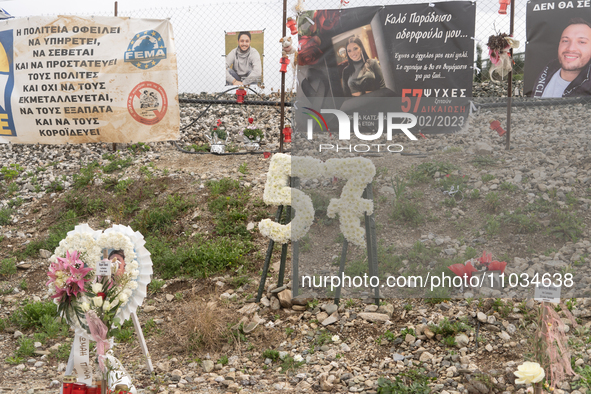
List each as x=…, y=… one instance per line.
x=200, y=37
x=200, y=33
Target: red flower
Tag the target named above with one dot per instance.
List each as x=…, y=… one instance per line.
x=309, y=52
x=463, y=270
x=250, y=120
x=447, y=176
x=101, y=294
x=326, y=20
x=219, y=122
x=267, y=154
x=497, y=266
x=486, y=259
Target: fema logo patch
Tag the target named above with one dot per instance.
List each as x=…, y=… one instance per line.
x=145, y=50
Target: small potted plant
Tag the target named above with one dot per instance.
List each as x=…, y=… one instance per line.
x=218, y=138
x=252, y=136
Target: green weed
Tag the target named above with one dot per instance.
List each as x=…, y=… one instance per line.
x=449, y=341
x=117, y=164
x=448, y=328
x=25, y=348
x=508, y=186
x=201, y=258
x=487, y=177
x=15, y=202
x=12, y=171
x=222, y=186
x=290, y=364
x=5, y=216
x=566, y=225
x=197, y=148
x=85, y=176
x=271, y=354
x=426, y=171
x=138, y=148
x=450, y=202
x=34, y=314
x=408, y=211
x=399, y=186
x=8, y=266
x=55, y=186
x=125, y=333
x=13, y=188
x=492, y=201
x=63, y=352
x=524, y=223
x=411, y=382
x=492, y=225
x=483, y=161
x=156, y=285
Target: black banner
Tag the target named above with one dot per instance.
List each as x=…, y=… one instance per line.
x=558, y=50
x=414, y=59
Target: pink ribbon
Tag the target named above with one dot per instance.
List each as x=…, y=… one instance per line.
x=494, y=56
x=98, y=331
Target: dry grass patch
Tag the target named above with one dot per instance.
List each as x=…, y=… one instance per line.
x=203, y=325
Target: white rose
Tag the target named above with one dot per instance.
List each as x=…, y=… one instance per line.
x=123, y=298
x=85, y=306
x=106, y=306
x=97, y=301
x=97, y=287
x=529, y=372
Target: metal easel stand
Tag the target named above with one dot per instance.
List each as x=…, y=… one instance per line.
x=278, y=218
x=372, y=250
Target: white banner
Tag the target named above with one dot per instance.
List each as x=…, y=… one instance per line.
x=82, y=367
x=71, y=79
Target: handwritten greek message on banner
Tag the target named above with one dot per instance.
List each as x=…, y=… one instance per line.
x=70, y=79
x=413, y=58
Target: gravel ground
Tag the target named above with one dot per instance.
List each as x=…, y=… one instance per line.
x=549, y=154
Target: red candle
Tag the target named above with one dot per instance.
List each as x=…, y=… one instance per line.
x=284, y=62
x=291, y=24
x=79, y=388
x=240, y=93
x=287, y=134
x=68, y=384
x=92, y=390
x=504, y=4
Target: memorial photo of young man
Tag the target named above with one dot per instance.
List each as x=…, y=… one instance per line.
x=243, y=63
x=570, y=74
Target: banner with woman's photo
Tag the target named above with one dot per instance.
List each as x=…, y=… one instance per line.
x=414, y=59
x=558, y=51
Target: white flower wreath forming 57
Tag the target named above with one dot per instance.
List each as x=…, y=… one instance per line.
x=350, y=207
